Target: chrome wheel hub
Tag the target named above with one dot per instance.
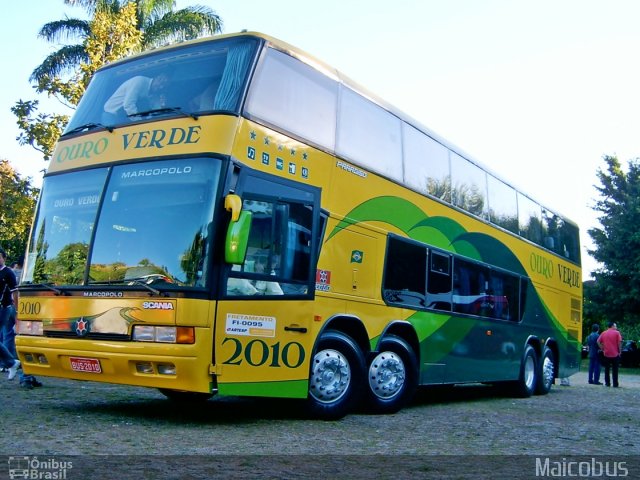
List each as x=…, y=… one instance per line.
x=330, y=377
x=386, y=375
x=547, y=372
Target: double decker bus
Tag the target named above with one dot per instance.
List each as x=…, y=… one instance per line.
x=232, y=216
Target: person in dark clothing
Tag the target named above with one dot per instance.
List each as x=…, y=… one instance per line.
x=594, y=360
x=8, y=296
x=9, y=335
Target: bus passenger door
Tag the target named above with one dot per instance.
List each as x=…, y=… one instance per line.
x=264, y=318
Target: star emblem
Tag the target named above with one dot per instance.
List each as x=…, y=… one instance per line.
x=82, y=327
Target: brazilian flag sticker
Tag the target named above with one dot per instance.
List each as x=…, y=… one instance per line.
x=356, y=256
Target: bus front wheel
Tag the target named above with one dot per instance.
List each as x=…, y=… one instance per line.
x=392, y=376
x=336, y=376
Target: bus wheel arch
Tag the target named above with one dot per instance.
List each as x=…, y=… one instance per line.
x=351, y=326
x=336, y=376
x=392, y=375
x=406, y=331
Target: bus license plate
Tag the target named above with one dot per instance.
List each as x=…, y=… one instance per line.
x=90, y=365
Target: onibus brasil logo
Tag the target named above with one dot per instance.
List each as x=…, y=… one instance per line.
x=41, y=469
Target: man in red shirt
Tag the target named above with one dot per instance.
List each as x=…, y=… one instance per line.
x=610, y=342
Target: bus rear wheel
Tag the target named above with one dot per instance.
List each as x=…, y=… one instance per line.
x=525, y=386
x=392, y=376
x=335, y=380
x=547, y=372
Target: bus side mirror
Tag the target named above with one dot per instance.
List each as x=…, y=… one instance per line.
x=238, y=231
x=233, y=204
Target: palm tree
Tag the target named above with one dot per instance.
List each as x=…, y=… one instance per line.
x=155, y=20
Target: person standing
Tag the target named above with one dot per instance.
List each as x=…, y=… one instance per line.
x=594, y=360
x=8, y=296
x=610, y=342
x=9, y=334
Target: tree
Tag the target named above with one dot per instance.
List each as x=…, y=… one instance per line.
x=17, y=203
x=116, y=29
x=615, y=295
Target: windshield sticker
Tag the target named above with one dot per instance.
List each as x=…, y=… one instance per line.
x=250, y=325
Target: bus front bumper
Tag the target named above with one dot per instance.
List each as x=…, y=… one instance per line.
x=176, y=367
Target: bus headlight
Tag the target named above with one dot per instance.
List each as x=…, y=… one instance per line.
x=29, y=327
x=163, y=334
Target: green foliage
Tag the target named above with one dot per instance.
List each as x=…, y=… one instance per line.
x=615, y=294
x=41, y=130
x=17, y=203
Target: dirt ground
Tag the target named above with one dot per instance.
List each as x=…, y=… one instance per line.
x=69, y=418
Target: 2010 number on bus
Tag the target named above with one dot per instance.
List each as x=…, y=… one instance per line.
x=258, y=353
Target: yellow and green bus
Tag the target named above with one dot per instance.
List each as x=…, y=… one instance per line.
x=232, y=216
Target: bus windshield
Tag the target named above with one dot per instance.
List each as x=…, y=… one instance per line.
x=145, y=222
x=201, y=78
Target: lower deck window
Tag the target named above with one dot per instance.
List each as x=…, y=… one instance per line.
x=419, y=277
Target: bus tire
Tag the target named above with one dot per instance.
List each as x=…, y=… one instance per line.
x=392, y=376
x=181, y=396
x=525, y=386
x=546, y=373
x=336, y=376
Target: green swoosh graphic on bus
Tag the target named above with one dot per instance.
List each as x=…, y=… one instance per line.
x=383, y=209
x=444, y=233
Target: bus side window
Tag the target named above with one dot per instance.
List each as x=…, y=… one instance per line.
x=405, y=273
x=439, y=281
x=278, y=259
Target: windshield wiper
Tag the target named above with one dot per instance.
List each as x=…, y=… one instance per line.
x=160, y=111
x=88, y=126
x=48, y=286
x=155, y=291
x=132, y=281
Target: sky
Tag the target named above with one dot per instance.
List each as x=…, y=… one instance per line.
x=537, y=91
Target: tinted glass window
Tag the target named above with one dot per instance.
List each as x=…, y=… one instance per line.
x=503, y=204
x=405, y=273
x=369, y=135
x=439, y=282
x=290, y=94
x=279, y=259
x=486, y=292
x=426, y=164
x=530, y=219
x=156, y=223
x=468, y=185
x=195, y=79
x=560, y=236
x=66, y=216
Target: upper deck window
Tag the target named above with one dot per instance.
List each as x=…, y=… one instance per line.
x=292, y=95
x=198, y=78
